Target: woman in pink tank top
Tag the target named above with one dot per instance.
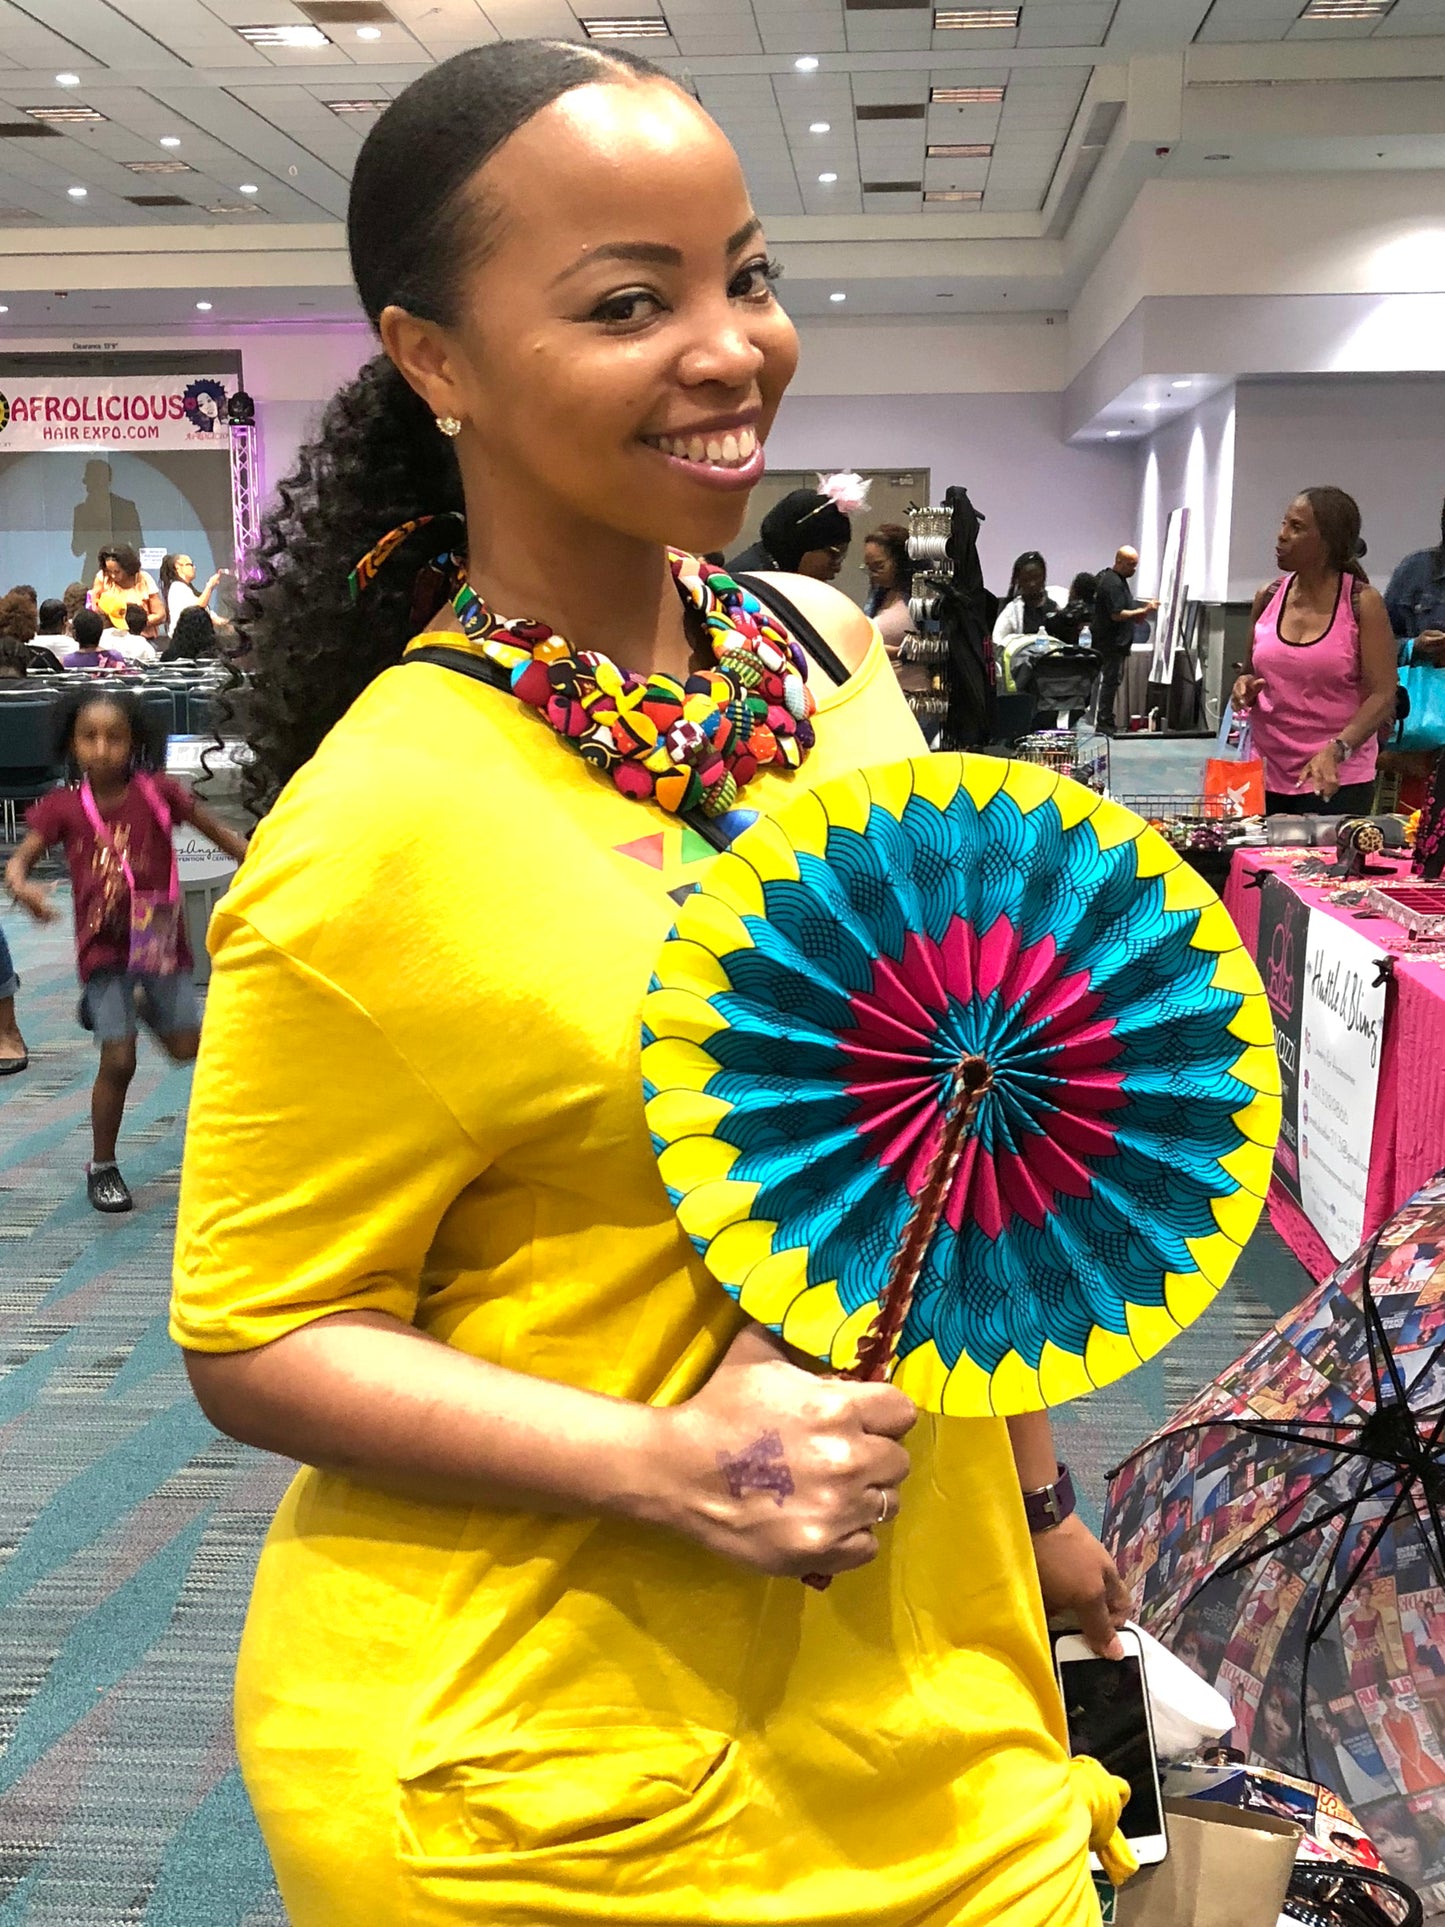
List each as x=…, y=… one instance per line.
x=1320, y=675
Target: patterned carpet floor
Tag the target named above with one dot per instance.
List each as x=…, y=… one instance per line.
x=129, y=1528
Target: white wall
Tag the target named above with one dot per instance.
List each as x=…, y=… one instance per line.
x=293, y=373
x=1336, y=234
x=1382, y=439
x=1076, y=504
x=1190, y=464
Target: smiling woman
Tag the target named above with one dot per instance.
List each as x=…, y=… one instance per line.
x=517, y=1649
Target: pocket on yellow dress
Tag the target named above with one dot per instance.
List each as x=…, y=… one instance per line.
x=551, y=1786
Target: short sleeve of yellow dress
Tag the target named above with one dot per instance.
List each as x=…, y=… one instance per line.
x=419, y=1092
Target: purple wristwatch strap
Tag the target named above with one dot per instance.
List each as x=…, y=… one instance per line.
x=1052, y=1504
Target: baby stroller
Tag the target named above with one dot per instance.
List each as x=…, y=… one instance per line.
x=1060, y=676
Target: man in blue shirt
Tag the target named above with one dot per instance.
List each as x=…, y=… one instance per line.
x=1415, y=598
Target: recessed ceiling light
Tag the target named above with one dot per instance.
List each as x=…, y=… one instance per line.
x=3, y=309
x=1347, y=9
x=232, y=207
x=1152, y=407
x=63, y=115
x=156, y=167
x=77, y=193
x=280, y=36
x=945, y=19
x=820, y=127
x=368, y=33
x=1187, y=383
x=170, y=140
x=633, y=26
x=1113, y=434
x=67, y=80
x=965, y=96
x=960, y=150
x=953, y=194
x=827, y=179
x=203, y=307
x=806, y=64
x=838, y=295
x=248, y=187
x=372, y=106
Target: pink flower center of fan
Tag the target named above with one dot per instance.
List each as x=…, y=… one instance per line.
x=1044, y=1122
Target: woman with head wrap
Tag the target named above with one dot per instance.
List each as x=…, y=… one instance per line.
x=808, y=532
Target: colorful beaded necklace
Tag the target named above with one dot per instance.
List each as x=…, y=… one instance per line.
x=685, y=745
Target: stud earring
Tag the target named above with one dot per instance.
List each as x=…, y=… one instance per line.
x=450, y=426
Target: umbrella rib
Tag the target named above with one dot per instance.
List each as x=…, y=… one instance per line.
x=1237, y=1561
x=1386, y=1521
x=1266, y=1431
x=1314, y=1632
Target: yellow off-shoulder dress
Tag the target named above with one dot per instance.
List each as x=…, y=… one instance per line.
x=419, y=1093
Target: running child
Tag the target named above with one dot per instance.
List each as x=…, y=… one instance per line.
x=114, y=821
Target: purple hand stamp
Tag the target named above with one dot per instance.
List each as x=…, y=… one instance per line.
x=760, y=1467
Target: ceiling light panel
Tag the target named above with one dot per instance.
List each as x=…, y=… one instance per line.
x=72, y=112
x=1347, y=9
x=965, y=96
x=293, y=39
x=157, y=167
x=976, y=19
x=955, y=194
x=633, y=26
x=959, y=150
x=370, y=106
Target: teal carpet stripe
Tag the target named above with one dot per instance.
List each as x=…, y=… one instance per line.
x=101, y=1649
x=220, y=1832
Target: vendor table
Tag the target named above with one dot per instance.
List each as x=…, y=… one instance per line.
x=1409, y=1140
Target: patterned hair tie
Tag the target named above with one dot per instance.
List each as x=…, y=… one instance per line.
x=367, y=569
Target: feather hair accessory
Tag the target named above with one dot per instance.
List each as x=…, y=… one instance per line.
x=845, y=490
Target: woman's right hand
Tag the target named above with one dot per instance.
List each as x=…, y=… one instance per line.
x=784, y=1470
x=1246, y=691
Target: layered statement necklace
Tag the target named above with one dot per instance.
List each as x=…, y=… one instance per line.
x=688, y=745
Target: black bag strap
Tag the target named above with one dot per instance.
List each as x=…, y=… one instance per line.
x=797, y=626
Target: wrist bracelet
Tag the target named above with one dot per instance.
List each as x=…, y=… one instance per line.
x=1051, y=1504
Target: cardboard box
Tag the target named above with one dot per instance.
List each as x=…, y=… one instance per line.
x=1225, y=1868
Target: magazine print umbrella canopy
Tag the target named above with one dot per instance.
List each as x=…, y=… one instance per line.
x=1284, y=1535
x=958, y=1074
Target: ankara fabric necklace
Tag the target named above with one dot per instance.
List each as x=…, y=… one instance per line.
x=686, y=745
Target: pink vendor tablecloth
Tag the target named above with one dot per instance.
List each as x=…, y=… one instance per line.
x=1409, y=1141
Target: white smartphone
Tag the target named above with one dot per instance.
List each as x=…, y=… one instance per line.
x=1106, y=1708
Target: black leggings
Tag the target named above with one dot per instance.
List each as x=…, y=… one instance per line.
x=1351, y=799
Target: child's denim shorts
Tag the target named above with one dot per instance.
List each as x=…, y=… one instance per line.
x=168, y=1005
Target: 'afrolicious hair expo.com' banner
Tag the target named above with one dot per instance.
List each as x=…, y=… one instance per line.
x=119, y=411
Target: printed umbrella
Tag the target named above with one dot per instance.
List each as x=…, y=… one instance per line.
x=1284, y=1534
x=957, y=1074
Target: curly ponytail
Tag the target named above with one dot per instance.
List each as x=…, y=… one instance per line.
x=415, y=227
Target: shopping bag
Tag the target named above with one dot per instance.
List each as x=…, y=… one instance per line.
x=1423, y=727
x=1234, y=774
x=1225, y=1868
